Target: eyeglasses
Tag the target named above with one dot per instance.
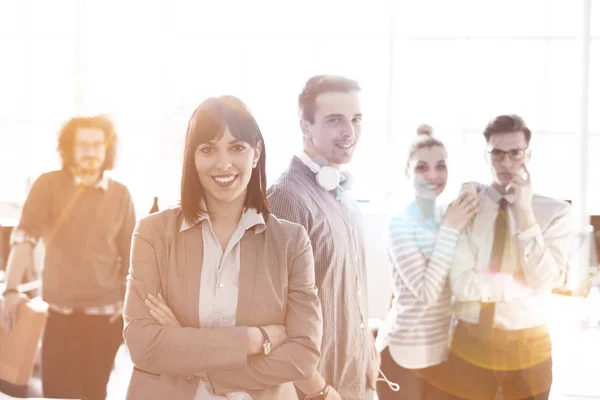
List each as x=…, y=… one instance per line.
x=90, y=145
x=514, y=154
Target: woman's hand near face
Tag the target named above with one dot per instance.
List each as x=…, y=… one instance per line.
x=462, y=210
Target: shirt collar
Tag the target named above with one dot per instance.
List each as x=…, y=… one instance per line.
x=250, y=218
x=101, y=184
x=497, y=196
x=346, y=179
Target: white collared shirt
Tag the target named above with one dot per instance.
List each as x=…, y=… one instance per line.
x=219, y=283
x=101, y=184
x=522, y=298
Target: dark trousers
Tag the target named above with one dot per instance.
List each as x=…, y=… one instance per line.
x=78, y=352
x=415, y=384
x=516, y=364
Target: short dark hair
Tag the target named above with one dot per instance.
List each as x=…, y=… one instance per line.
x=507, y=124
x=322, y=84
x=66, y=139
x=208, y=122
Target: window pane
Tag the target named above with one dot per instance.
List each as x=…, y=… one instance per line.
x=13, y=78
x=467, y=160
x=40, y=141
x=560, y=94
x=309, y=19
x=593, y=189
x=553, y=164
x=563, y=18
x=472, y=18
x=12, y=17
x=466, y=83
x=51, y=17
x=12, y=163
x=138, y=163
x=27, y=149
x=504, y=77
x=594, y=87
x=595, y=19
x=430, y=84
x=123, y=66
x=50, y=79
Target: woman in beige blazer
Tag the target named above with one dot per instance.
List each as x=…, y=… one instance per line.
x=221, y=300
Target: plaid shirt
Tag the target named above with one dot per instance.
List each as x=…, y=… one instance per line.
x=340, y=272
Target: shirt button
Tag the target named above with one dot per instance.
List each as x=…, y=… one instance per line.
x=221, y=285
x=362, y=326
x=359, y=292
x=192, y=379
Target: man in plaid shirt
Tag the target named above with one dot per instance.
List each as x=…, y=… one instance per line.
x=314, y=192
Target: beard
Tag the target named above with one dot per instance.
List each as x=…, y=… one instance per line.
x=88, y=167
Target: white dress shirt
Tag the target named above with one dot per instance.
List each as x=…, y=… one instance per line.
x=541, y=252
x=219, y=285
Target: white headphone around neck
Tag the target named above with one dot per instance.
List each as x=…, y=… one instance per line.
x=328, y=178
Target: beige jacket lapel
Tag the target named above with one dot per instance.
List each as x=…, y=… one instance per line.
x=192, y=250
x=248, y=255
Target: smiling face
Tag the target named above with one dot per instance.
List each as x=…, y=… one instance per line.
x=428, y=171
x=336, y=129
x=224, y=166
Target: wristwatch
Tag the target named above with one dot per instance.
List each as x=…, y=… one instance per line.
x=267, y=343
x=10, y=291
x=322, y=395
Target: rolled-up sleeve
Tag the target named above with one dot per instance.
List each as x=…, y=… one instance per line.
x=468, y=284
x=35, y=216
x=544, y=253
x=297, y=357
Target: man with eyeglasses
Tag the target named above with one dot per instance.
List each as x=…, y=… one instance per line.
x=85, y=220
x=505, y=266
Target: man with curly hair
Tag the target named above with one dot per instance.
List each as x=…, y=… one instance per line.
x=86, y=221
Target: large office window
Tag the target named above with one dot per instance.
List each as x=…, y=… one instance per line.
x=37, y=88
x=454, y=65
x=152, y=77
x=460, y=64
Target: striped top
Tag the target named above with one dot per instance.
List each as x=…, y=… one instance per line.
x=421, y=250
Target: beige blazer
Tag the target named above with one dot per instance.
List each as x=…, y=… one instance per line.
x=277, y=286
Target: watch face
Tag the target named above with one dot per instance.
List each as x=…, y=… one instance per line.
x=267, y=347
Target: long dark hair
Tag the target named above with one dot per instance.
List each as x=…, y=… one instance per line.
x=208, y=122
